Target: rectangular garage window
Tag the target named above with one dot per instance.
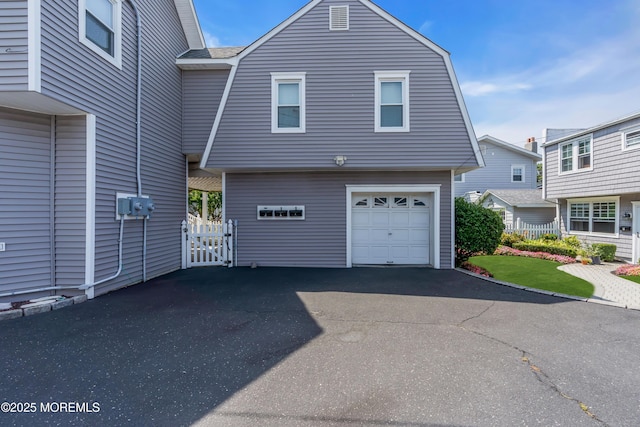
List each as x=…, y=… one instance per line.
x=275, y=212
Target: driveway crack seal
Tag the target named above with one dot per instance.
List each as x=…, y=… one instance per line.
x=539, y=373
x=544, y=379
x=477, y=315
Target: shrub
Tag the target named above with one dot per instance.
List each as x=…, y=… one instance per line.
x=555, y=249
x=504, y=250
x=628, y=270
x=572, y=241
x=606, y=251
x=508, y=239
x=549, y=237
x=478, y=230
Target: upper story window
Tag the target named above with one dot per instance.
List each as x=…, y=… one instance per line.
x=593, y=216
x=631, y=138
x=392, y=101
x=100, y=28
x=517, y=173
x=288, y=103
x=458, y=178
x=576, y=155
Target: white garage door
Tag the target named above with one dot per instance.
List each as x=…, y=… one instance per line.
x=390, y=228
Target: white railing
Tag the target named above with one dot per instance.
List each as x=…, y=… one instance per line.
x=533, y=231
x=207, y=244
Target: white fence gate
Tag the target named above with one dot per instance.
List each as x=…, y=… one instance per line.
x=532, y=231
x=207, y=244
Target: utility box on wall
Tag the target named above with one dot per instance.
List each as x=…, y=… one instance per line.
x=133, y=207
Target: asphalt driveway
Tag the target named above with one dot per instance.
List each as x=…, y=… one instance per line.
x=293, y=347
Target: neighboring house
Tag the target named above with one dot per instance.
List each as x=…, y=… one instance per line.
x=507, y=166
x=69, y=146
x=336, y=139
x=520, y=206
x=593, y=177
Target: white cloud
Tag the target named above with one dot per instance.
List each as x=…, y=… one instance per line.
x=210, y=39
x=589, y=86
x=485, y=88
x=425, y=27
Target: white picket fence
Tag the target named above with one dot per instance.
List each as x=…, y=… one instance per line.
x=533, y=231
x=206, y=243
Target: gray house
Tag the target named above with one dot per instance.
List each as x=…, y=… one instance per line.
x=507, y=167
x=519, y=207
x=593, y=177
x=79, y=149
x=335, y=141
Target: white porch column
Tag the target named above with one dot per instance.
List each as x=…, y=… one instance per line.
x=205, y=207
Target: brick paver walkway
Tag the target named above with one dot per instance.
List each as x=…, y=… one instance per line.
x=607, y=286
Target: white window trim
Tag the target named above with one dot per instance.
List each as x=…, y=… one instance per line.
x=116, y=59
x=462, y=177
x=393, y=76
x=277, y=78
x=592, y=200
x=523, y=173
x=575, y=147
x=623, y=134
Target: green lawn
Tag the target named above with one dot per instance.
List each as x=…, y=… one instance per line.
x=632, y=278
x=533, y=273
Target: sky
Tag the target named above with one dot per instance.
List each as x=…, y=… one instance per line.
x=522, y=65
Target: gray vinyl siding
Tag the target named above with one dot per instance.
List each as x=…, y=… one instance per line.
x=340, y=103
x=320, y=240
x=496, y=174
x=25, y=203
x=70, y=201
x=202, y=91
x=623, y=242
x=535, y=216
x=14, y=62
x=74, y=74
x=614, y=171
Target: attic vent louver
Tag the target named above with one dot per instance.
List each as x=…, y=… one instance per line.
x=338, y=18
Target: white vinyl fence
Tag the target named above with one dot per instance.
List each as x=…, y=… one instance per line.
x=533, y=231
x=207, y=243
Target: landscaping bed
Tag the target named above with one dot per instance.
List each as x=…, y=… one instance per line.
x=533, y=273
x=630, y=272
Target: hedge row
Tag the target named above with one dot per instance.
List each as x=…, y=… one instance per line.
x=535, y=246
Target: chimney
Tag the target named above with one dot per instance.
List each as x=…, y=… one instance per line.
x=531, y=145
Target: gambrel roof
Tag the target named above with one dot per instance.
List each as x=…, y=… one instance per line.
x=233, y=63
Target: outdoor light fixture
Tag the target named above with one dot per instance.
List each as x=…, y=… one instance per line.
x=627, y=215
x=340, y=160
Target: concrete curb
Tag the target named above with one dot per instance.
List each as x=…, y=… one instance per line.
x=42, y=305
x=541, y=291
